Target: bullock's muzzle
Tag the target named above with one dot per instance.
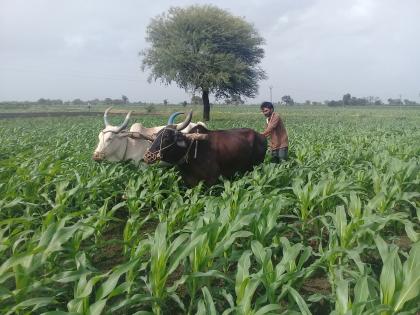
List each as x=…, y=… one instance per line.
x=151, y=157
x=98, y=156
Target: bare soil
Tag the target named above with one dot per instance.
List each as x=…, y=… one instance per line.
x=111, y=253
x=317, y=285
x=403, y=242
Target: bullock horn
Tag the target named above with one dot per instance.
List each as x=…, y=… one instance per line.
x=125, y=122
x=185, y=123
x=172, y=118
x=106, y=116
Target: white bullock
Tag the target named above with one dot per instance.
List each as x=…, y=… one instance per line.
x=118, y=144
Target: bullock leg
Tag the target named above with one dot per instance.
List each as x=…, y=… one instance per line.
x=193, y=173
x=190, y=181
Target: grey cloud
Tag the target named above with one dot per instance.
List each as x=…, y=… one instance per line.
x=314, y=49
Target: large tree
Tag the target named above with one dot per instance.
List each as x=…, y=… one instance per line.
x=205, y=49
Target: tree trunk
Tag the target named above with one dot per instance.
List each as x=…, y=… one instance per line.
x=206, y=106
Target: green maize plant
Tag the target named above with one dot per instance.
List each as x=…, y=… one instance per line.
x=344, y=304
x=83, y=289
x=307, y=196
x=396, y=293
x=392, y=186
x=399, y=283
x=287, y=273
x=245, y=288
x=334, y=188
x=206, y=305
x=212, y=253
x=165, y=259
x=267, y=224
x=334, y=229
x=132, y=233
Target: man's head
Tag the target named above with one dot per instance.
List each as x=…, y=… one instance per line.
x=267, y=109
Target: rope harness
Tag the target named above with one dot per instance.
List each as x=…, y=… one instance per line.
x=185, y=157
x=151, y=157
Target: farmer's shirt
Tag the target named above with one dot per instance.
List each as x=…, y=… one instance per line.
x=276, y=132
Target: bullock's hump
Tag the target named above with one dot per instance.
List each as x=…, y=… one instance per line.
x=136, y=127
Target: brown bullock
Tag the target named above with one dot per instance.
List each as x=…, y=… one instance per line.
x=204, y=155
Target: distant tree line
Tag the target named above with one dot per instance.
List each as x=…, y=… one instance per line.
x=349, y=100
x=77, y=101
x=286, y=100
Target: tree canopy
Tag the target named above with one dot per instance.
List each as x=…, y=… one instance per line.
x=205, y=49
x=287, y=100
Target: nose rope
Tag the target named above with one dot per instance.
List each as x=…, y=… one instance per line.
x=157, y=155
x=185, y=157
x=151, y=157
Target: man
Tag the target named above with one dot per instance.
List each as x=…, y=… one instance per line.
x=277, y=133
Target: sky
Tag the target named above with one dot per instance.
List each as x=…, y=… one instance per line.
x=314, y=49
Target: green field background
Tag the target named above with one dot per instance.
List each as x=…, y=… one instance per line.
x=334, y=230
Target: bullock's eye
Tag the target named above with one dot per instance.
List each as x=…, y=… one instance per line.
x=178, y=136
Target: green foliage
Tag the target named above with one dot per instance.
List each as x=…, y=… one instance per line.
x=78, y=237
x=196, y=100
x=150, y=108
x=287, y=100
x=207, y=49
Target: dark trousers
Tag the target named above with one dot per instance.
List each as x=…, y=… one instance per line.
x=279, y=155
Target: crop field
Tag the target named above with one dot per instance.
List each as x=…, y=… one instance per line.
x=334, y=230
